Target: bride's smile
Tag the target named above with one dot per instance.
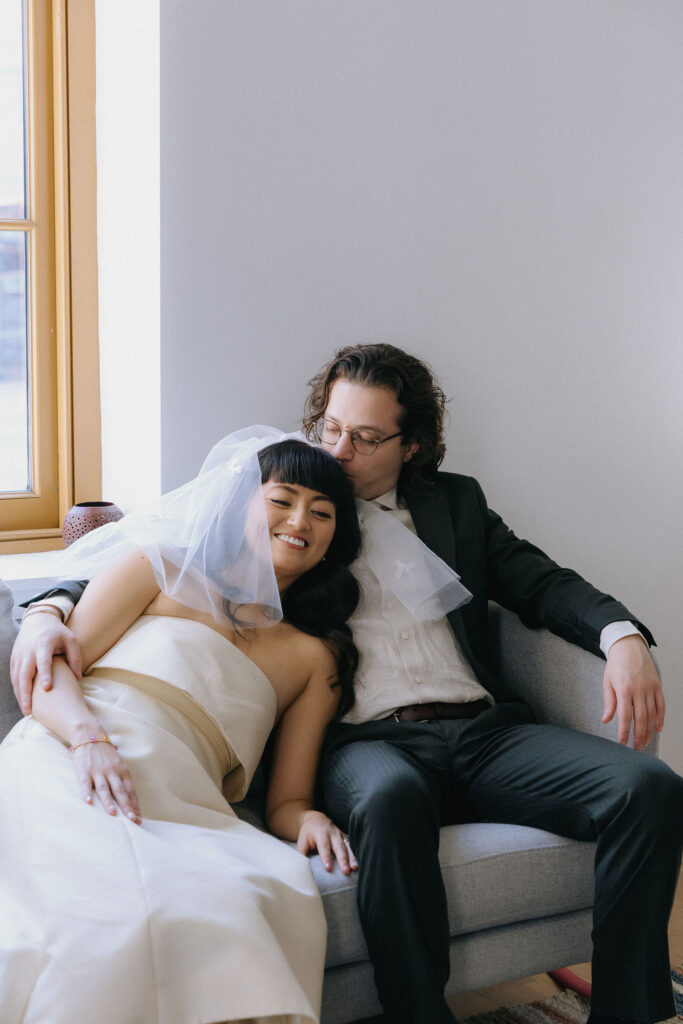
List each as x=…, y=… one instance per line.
x=301, y=524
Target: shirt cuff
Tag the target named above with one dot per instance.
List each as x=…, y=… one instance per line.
x=60, y=601
x=614, y=631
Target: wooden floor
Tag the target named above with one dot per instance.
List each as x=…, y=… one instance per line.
x=540, y=986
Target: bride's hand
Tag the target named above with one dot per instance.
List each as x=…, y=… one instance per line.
x=317, y=832
x=100, y=767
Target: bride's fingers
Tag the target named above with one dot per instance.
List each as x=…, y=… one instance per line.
x=103, y=770
x=125, y=796
x=86, y=785
x=135, y=803
x=346, y=857
x=104, y=792
x=343, y=852
x=353, y=863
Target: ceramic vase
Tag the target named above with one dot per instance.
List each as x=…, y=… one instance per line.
x=86, y=516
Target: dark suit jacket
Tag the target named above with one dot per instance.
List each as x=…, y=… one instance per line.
x=74, y=588
x=453, y=519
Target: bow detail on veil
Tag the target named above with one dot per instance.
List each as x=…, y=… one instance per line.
x=419, y=579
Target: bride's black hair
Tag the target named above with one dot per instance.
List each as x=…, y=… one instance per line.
x=321, y=601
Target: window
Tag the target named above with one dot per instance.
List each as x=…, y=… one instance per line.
x=49, y=408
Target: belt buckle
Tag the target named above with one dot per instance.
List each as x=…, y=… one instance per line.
x=397, y=716
x=433, y=716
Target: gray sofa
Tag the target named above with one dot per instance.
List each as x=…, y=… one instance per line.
x=9, y=709
x=519, y=899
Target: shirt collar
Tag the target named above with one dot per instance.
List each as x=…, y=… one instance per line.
x=388, y=500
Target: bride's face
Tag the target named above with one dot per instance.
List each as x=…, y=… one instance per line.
x=301, y=525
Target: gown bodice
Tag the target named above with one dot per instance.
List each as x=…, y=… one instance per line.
x=192, y=666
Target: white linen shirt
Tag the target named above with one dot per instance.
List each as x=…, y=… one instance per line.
x=402, y=660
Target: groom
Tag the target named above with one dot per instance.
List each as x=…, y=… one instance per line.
x=432, y=722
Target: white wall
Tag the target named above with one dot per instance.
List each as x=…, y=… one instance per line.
x=127, y=113
x=496, y=187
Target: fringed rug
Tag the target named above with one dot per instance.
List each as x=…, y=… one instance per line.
x=677, y=982
x=565, y=1008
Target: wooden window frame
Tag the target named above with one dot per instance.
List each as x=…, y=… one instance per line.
x=66, y=326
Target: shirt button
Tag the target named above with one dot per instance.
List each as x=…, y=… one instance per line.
x=418, y=679
x=405, y=635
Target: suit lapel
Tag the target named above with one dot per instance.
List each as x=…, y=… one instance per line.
x=431, y=515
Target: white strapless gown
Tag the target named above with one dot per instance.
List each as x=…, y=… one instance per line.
x=193, y=917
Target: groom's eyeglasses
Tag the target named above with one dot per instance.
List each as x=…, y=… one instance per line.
x=329, y=433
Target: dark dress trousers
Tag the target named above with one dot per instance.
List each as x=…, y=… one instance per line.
x=392, y=785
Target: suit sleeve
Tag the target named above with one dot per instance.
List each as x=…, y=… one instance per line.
x=524, y=579
x=72, y=588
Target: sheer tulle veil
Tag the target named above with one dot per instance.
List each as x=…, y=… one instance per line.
x=207, y=540
x=209, y=546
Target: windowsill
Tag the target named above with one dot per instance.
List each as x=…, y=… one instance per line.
x=27, y=574
x=29, y=565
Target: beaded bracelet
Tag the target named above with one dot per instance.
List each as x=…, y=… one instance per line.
x=93, y=739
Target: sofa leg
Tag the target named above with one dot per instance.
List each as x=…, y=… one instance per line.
x=567, y=979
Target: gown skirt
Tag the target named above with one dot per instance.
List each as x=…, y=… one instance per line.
x=193, y=917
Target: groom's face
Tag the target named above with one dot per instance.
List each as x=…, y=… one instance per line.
x=375, y=413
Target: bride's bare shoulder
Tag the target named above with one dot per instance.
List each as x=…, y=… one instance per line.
x=301, y=645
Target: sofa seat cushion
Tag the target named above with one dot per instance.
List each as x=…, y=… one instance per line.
x=494, y=875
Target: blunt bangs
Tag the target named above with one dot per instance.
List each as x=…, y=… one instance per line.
x=295, y=462
x=299, y=463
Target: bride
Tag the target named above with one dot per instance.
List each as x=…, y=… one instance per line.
x=131, y=891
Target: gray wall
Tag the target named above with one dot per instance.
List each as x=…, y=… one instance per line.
x=498, y=188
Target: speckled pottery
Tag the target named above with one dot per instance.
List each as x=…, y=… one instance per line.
x=86, y=516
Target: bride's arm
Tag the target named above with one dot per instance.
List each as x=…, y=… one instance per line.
x=290, y=811
x=111, y=602
x=114, y=599
x=98, y=766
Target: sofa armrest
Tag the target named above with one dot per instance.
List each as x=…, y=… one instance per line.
x=9, y=709
x=560, y=681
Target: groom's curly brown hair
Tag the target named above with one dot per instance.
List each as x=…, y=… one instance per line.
x=416, y=389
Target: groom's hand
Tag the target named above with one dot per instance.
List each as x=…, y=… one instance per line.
x=632, y=689
x=41, y=637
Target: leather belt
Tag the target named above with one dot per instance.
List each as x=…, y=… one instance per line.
x=439, y=710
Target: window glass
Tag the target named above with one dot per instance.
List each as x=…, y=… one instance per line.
x=14, y=407
x=12, y=149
